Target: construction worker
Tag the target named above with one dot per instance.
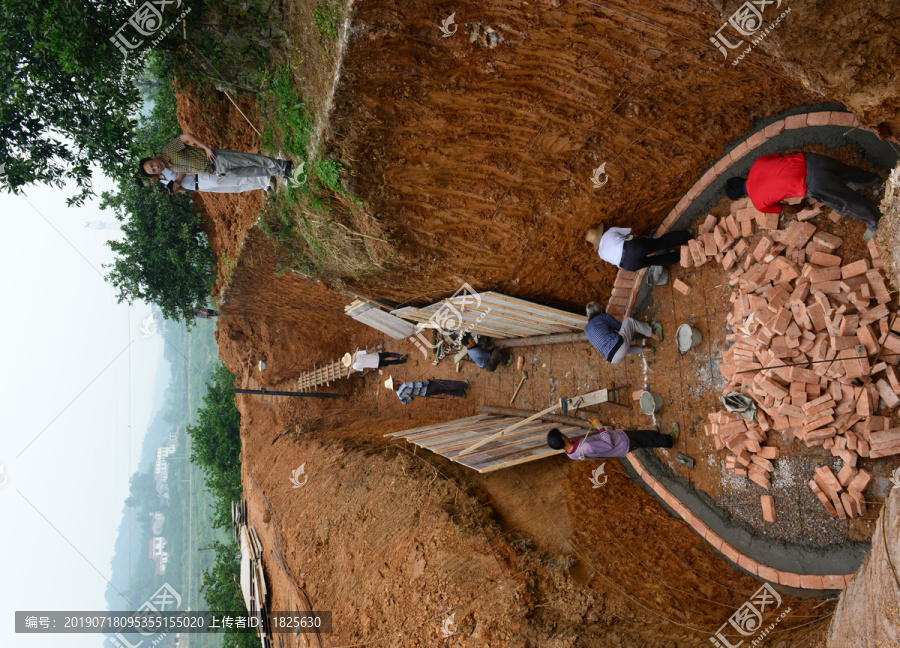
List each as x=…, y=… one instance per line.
x=778, y=177
x=619, y=246
x=486, y=355
x=610, y=443
x=187, y=155
x=613, y=339
x=409, y=390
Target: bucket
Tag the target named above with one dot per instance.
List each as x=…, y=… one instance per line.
x=687, y=338
x=650, y=402
x=657, y=276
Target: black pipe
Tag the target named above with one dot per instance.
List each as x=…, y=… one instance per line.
x=266, y=392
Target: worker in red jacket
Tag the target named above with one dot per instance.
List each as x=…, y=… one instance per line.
x=777, y=177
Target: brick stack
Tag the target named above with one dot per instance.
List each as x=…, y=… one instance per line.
x=743, y=439
x=797, y=303
x=831, y=491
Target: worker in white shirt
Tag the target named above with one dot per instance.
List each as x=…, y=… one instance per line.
x=619, y=246
x=362, y=360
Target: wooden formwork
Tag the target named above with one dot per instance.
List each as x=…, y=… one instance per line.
x=323, y=375
x=494, y=315
x=372, y=314
x=526, y=443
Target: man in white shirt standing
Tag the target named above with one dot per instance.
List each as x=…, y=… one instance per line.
x=362, y=360
x=619, y=246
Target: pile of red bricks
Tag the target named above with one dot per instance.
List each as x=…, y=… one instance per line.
x=830, y=490
x=813, y=345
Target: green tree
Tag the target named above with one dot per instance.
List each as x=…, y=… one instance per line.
x=67, y=96
x=216, y=444
x=164, y=257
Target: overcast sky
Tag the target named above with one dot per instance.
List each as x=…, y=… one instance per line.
x=77, y=389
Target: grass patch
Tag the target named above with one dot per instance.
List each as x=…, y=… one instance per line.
x=327, y=18
x=308, y=242
x=289, y=121
x=308, y=222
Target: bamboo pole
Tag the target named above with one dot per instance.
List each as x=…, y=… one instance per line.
x=541, y=340
x=515, y=411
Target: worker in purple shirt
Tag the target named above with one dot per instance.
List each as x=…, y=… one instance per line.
x=610, y=443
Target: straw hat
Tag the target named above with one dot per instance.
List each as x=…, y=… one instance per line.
x=389, y=383
x=593, y=236
x=347, y=360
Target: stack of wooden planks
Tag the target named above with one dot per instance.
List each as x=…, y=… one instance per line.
x=373, y=314
x=238, y=519
x=814, y=344
x=253, y=583
x=495, y=315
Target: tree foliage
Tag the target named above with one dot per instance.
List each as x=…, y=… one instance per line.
x=164, y=257
x=222, y=592
x=216, y=444
x=67, y=96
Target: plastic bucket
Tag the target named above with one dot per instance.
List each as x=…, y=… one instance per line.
x=687, y=338
x=657, y=276
x=650, y=402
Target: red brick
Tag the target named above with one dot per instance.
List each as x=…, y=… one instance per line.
x=849, y=505
x=795, y=121
x=874, y=250
x=859, y=483
x=833, y=582
x=774, y=129
x=681, y=287
x=887, y=394
x=790, y=579
x=746, y=562
x=738, y=151
x=722, y=165
x=830, y=241
x=811, y=581
x=854, y=269
x=819, y=119
x=730, y=552
x=843, y=119
x=714, y=539
x=825, y=260
x=768, y=506
x=769, y=574
x=846, y=474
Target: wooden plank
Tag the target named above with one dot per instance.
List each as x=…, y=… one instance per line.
x=523, y=455
x=453, y=450
x=509, y=429
x=422, y=439
x=577, y=321
x=383, y=321
x=508, y=321
x=424, y=436
x=436, y=426
x=397, y=328
x=519, y=316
